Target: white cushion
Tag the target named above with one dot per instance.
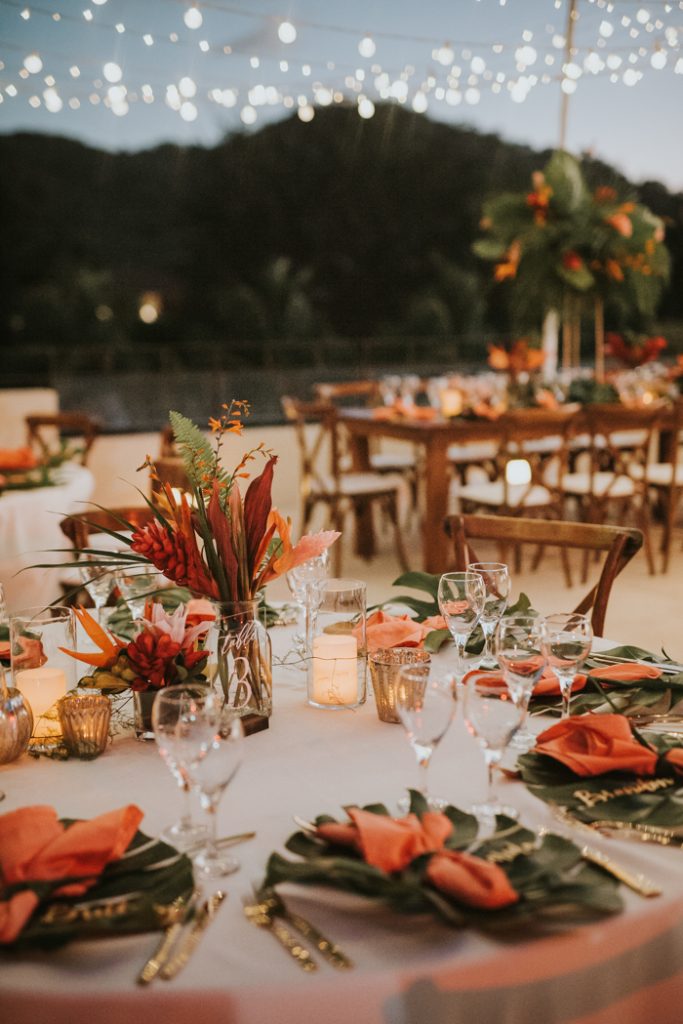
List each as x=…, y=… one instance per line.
x=604, y=484
x=383, y=461
x=492, y=493
x=476, y=452
x=359, y=483
x=658, y=473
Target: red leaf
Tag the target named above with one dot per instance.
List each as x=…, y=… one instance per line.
x=257, y=505
x=220, y=526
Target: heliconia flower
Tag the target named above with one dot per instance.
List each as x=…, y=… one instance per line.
x=288, y=556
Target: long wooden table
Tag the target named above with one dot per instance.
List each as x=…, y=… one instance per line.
x=434, y=437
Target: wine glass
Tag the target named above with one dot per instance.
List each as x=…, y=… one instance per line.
x=173, y=712
x=98, y=583
x=137, y=583
x=303, y=582
x=426, y=705
x=461, y=598
x=567, y=641
x=519, y=650
x=496, y=577
x=493, y=717
x=212, y=772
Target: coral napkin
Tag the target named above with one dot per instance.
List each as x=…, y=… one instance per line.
x=549, y=685
x=389, y=843
x=627, y=672
x=17, y=458
x=384, y=630
x=36, y=847
x=471, y=880
x=594, y=744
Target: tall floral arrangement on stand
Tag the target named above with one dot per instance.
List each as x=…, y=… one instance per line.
x=223, y=544
x=561, y=245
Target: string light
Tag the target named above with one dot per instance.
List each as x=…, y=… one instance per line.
x=286, y=32
x=367, y=47
x=193, y=18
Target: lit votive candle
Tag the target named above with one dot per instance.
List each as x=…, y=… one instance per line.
x=41, y=687
x=335, y=670
x=451, y=402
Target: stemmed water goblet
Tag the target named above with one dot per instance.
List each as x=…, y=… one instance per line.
x=518, y=645
x=98, y=582
x=180, y=743
x=137, y=583
x=304, y=583
x=493, y=717
x=461, y=597
x=567, y=641
x=426, y=705
x=496, y=577
x=212, y=772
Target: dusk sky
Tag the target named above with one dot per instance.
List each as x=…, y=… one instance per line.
x=124, y=74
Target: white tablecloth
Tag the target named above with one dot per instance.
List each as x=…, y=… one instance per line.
x=626, y=969
x=29, y=527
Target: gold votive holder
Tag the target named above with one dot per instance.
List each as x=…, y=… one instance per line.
x=85, y=724
x=385, y=671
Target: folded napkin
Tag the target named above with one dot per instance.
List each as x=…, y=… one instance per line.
x=389, y=844
x=36, y=847
x=595, y=744
x=626, y=672
x=471, y=880
x=17, y=458
x=384, y=630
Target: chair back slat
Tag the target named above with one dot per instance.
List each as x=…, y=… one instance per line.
x=618, y=543
x=42, y=429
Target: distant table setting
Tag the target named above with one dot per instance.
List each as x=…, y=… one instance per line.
x=30, y=514
x=446, y=808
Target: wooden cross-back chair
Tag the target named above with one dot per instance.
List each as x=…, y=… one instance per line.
x=79, y=528
x=43, y=429
x=615, y=477
x=618, y=543
x=324, y=482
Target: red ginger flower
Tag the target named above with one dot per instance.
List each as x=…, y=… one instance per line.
x=154, y=659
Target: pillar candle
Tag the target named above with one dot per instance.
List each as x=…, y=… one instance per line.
x=451, y=402
x=335, y=670
x=41, y=687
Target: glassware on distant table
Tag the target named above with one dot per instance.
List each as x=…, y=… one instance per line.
x=212, y=773
x=180, y=742
x=97, y=581
x=4, y=617
x=493, y=717
x=518, y=645
x=567, y=641
x=303, y=582
x=425, y=704
x=496, y=577
x=137, y=583
x=461, y=596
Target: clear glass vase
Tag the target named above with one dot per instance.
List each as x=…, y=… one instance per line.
x=244, y=662
x=142, y=713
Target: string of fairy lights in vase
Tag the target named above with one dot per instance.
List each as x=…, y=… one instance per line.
x=620, y=40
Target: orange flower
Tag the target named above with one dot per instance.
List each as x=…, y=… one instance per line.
x=614, y=270
x=621, y=223
x=605, y=194
x=571, y=260
x=109, y=646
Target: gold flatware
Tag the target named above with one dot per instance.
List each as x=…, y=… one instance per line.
x=176, y=916
x=189, y=943
x=277, y=907
x=634, y=880
x=639, y=831
x=259, y=915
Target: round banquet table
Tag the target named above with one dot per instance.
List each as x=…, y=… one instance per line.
x=623, y=969
x=29, y=528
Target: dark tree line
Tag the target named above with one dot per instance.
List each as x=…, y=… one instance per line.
x=338, y=228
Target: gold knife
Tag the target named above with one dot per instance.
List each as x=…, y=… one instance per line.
x=203, y=919
x=181, y=908
x=634, y=880
x=258, y=914
x=275, y=906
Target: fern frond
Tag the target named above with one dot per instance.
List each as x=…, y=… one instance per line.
x=199, y=458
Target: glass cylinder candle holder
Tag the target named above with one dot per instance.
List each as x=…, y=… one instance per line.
x=337, y=662
x=41, y=670
x=85, y=723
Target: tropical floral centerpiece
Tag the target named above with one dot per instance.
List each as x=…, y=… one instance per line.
x=223, y=545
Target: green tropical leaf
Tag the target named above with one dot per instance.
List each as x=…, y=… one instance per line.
x=435, y=640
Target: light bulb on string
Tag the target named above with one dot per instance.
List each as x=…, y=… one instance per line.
x=286, y=32
x=193, y=18
x=112, y=71
x=33, y=63
x=367, y=47
x=366, y=108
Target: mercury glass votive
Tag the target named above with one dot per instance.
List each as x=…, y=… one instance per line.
x=16, y=724
x=385, y=670
x=85, y=723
